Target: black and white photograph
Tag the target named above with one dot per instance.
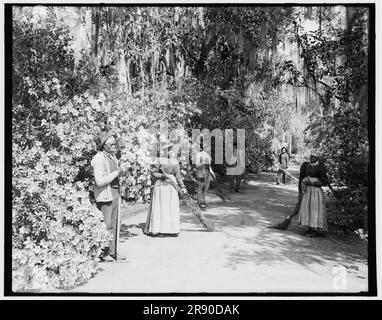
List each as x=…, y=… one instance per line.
x=190, y=149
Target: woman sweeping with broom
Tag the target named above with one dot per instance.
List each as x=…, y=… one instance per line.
x=311, y=204
x=163, y=218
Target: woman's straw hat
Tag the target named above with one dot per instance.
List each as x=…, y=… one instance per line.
x=103, y=136
x=165, y=143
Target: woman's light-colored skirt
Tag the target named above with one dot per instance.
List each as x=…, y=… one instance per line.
x=163, y=215
x=312, y=211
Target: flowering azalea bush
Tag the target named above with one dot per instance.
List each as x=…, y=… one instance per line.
x=58, y=235
x=59, y=108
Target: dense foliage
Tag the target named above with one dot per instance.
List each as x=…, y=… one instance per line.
x=58, y=233
x=190, y=67
x=343, y=141
x=335, y=68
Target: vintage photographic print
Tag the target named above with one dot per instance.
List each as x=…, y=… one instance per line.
x=191, y=149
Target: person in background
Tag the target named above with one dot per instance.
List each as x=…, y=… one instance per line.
x=203, y=175
x=283, y=163
x=106, y=190
x=235, y=180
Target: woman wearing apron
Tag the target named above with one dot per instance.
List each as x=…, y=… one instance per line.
x=163, y=218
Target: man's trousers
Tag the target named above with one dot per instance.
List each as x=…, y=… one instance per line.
x=110, y=214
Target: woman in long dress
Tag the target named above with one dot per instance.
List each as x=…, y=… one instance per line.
x=312, y=211
x=163, y=217
x=283, y=161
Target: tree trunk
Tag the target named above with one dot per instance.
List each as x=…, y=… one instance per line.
x=96, y=22
x=141, y=66
x=153, y=63
x=205, y=49
x=122, y=74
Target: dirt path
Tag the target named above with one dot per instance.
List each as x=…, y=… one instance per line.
x=241, y=256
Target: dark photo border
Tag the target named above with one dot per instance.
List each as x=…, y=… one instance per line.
x=372, y=263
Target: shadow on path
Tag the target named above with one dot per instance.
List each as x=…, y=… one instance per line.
x=126, y=231
x=245, y=221
x=241, y=255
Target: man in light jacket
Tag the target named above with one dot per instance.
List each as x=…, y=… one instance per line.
x=203, y=173
x=235, y=179
x=106, y=189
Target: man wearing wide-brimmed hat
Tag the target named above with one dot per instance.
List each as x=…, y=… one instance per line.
x=106, y=189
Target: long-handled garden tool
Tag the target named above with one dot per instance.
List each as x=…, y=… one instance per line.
x=283, y=225
x=220, y=192
x=192, y=205
x=117, y=255
x=285, y=171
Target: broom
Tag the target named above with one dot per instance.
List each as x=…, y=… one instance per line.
x=220, y=192
x=285, y=171
x=283, y=225
x=193, y=205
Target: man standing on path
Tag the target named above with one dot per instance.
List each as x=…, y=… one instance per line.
x=203, y=172
x=235, y=180
x=107, y=191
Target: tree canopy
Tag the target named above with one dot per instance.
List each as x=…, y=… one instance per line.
x=290, y=76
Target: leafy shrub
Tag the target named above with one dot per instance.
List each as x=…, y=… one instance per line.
x=59, y=108
x=58, y=235
x=258, y=156
x=342, y=139
x=350, y=211
x=256, y=111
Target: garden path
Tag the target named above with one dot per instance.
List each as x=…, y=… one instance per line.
x=241, y=256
